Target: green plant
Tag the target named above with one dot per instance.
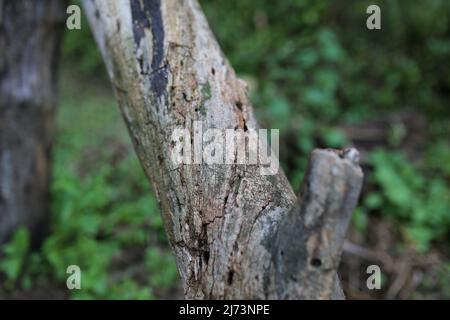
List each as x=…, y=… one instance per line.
x=421, y=202
x=14, y=256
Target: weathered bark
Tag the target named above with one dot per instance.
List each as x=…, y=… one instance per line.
x=29, y=39
x=235, y=233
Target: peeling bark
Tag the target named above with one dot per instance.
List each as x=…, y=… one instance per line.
x=30, y=33
x=235, y=233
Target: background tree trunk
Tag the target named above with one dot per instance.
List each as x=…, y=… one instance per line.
x=30, y=32
x=235, y=233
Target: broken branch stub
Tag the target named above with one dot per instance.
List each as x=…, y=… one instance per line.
x=309, y=240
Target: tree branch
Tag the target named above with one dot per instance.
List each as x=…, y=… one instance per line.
x=318, y=223
x=227, y=223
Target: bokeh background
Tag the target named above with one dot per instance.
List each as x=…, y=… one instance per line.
x=320, y=76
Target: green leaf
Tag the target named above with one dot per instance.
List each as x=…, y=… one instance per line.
x=15, y=253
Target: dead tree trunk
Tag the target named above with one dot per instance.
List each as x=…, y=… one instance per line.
x=235, y=233
x=30, y=33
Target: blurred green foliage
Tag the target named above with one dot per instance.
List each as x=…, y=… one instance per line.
x=419, y=203
x=15, y=254
x=311, y=66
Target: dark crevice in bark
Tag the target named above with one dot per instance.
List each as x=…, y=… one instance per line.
x=146, y=15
